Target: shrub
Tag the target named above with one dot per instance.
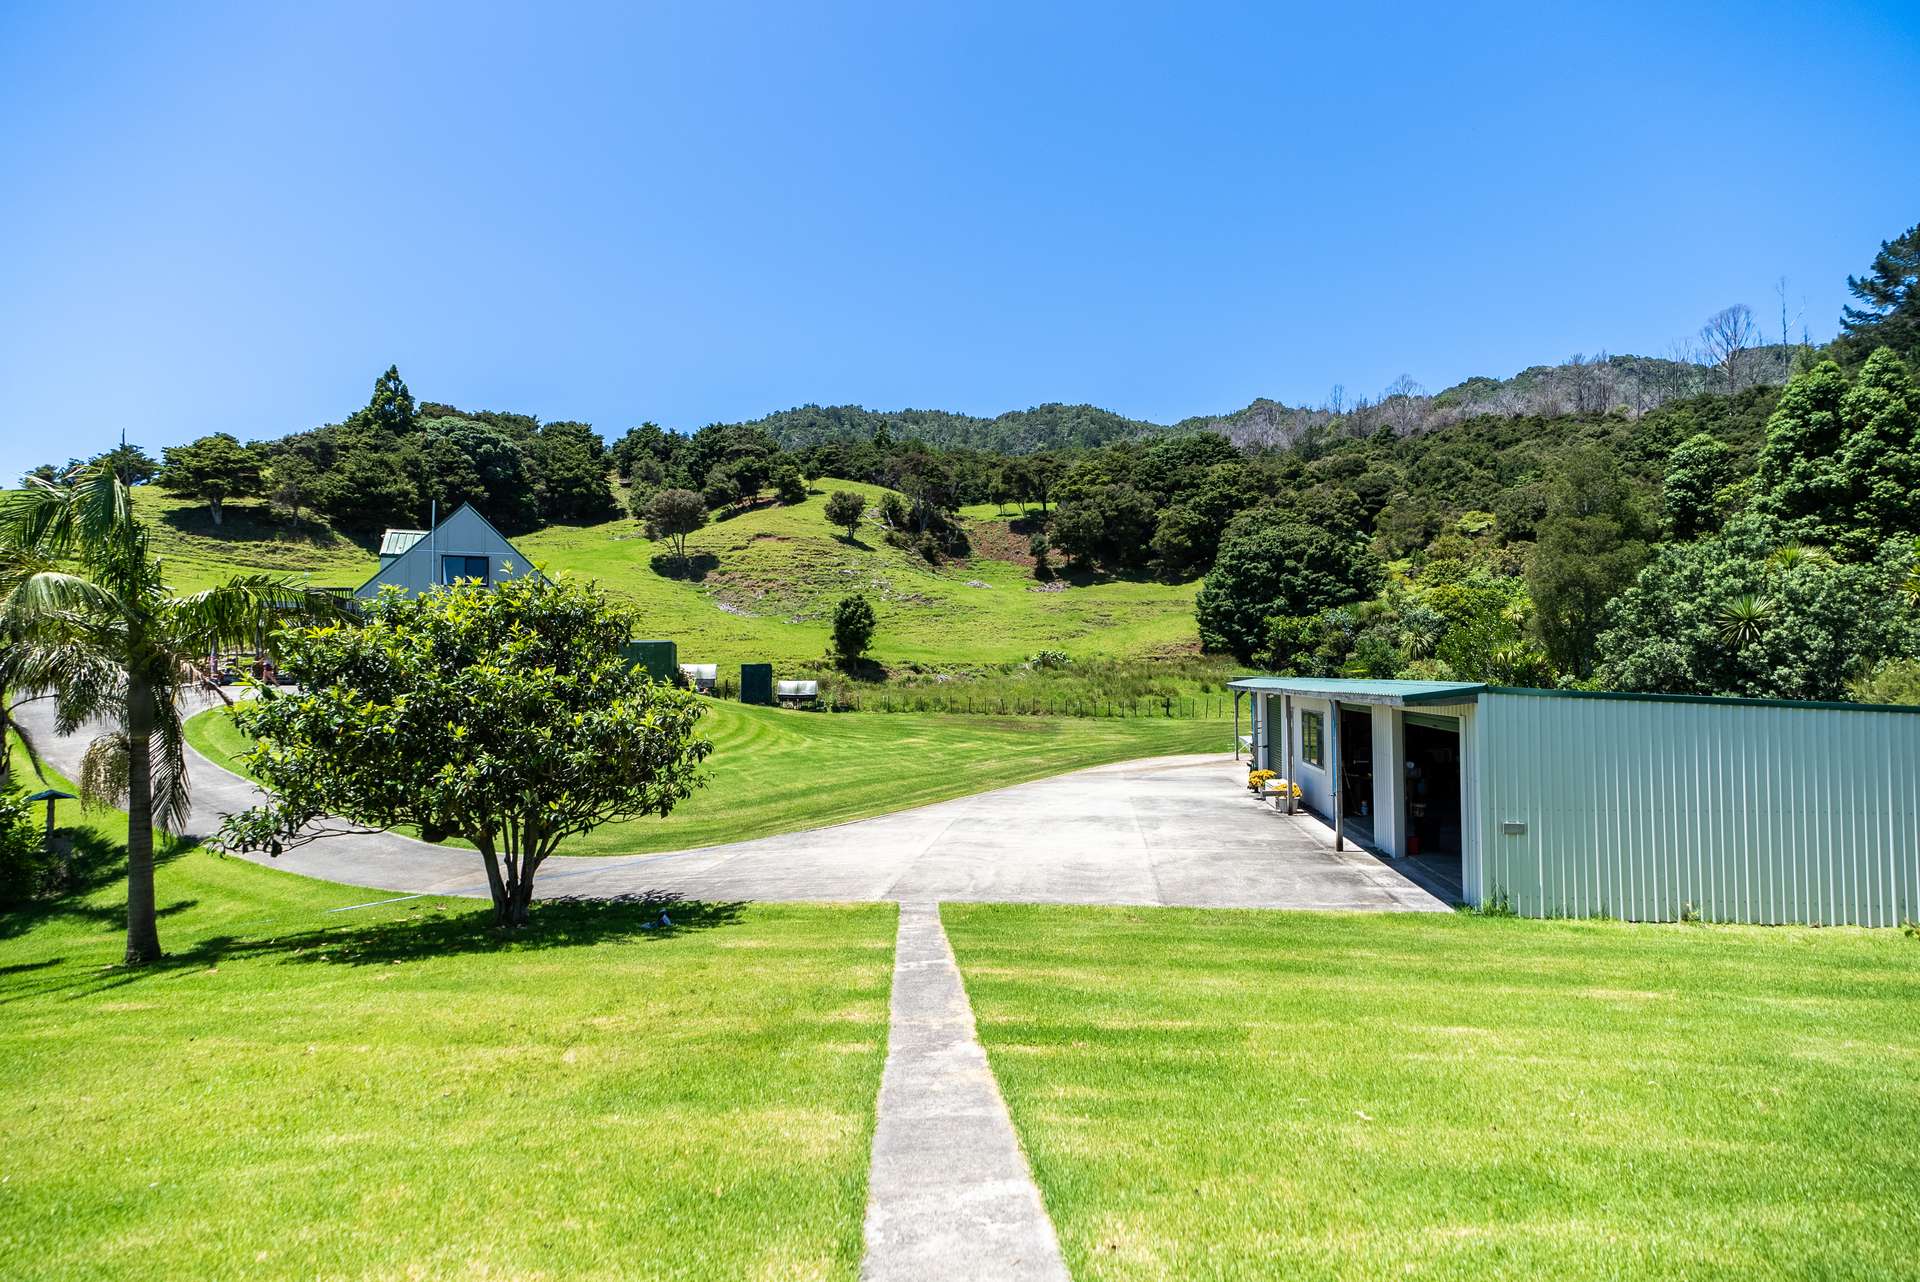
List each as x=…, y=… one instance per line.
x=845, y=508
x=853, y=625
x=25, y=869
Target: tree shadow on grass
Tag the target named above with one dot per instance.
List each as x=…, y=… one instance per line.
x=694, y=568
x=93, y=862
x=431, y=932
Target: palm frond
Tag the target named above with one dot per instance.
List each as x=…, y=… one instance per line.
x=167, y=749
x=104, y=770
x=236, y=611
x=57, y=594
x=83, y=682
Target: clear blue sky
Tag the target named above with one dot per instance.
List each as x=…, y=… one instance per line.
x=232, y=218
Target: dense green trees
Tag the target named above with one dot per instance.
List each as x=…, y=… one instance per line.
x=1694, y=492
x=1730, y=615
x=1111, y=526
x=1279, y=566
x=1591, y=543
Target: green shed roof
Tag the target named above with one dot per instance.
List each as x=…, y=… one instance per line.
x=1395, y=694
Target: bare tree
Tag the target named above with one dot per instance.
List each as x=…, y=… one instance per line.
x=1727, y=335
x=1337, y=399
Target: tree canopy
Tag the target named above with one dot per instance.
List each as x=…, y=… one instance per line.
x=506, y=715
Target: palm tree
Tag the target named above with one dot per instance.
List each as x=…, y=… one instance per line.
x=88, y=619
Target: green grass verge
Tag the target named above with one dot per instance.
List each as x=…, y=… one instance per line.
x=393, y=1092
x=776, y=771
x=761, y=586
x=1255, y=1095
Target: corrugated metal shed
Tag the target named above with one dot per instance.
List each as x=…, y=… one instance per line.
x=1647, y=807
x=1394, y=694
x=1734, y=810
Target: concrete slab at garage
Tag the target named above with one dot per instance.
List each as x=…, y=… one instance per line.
x=1644, y=807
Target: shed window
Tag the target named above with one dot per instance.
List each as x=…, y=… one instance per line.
x=1313, y=738
x=453, y=568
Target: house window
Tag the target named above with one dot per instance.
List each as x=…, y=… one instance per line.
x=453, y=568
x=1313, y=738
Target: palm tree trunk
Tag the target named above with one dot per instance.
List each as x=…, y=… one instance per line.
x=143, y=930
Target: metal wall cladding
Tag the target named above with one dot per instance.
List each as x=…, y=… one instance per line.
x=1649, y=810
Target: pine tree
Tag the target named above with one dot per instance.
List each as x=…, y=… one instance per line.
x=1890, y=315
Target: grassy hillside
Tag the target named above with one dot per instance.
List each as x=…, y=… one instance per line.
x=760, y=586
x=774, y=771
x=254, y=539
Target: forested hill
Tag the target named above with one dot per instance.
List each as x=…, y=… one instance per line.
x=1044, y=427
x=1579, y=385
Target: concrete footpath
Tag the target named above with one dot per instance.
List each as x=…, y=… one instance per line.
x=949, y=1196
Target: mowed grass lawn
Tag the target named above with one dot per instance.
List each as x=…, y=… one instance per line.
x=1256, y=1095
x=774, y=770
x=390, y=1092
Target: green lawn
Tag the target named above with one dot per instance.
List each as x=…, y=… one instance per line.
x=778, y=771
x=762, y=585
x=388, y=1092
x=1256, y=1095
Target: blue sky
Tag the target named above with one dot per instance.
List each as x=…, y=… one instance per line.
x=234, y=218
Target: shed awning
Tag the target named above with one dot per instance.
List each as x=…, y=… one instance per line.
x=1392, y=694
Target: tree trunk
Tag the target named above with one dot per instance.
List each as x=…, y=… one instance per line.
x=143, y=931
x=213, y=506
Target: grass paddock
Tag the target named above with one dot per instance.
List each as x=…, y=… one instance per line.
x=396, y=1092
x=1252, y=1095
x=775, y=771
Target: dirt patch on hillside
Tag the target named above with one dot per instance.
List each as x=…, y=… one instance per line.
x=999, y=541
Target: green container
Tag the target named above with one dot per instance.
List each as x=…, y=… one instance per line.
x=756, y=683
x=661, y=659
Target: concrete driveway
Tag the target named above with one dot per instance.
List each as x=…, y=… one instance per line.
x=1162, y=831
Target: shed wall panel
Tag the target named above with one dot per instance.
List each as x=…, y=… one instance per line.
x=1740, y=812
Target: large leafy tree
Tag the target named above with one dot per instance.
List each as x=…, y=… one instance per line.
x=468, y=461
x=570, y=473
x=1280, y=564
x=1591, y=543
x=673, y=515
x=1112, y=525
x=504, y=715
x=212, y=469
x=1698, y=473
x=91, y=622
x=1889, y=311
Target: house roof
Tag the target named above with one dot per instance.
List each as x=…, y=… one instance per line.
x=1393, y=694
x=394, y=542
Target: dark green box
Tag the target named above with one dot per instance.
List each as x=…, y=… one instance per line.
x=756, y=683
x=661, y=659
